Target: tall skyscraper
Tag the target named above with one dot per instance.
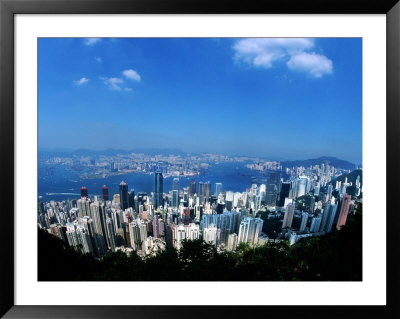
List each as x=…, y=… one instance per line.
x=192, y=187
x=344, y=210
x=104, y=192
x=158, y=189
x=175, y=198
x=201, y=192
x=273, y=180
x=207, y=191
x=284, y=193
x=218, y=189
x=99, y=220
x=302, y=186
x=84, y=192
x=131, y=199
x=123, y=195
x=288, y=218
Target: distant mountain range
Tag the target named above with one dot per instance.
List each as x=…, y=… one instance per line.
x=332, y=161
x=112, y=151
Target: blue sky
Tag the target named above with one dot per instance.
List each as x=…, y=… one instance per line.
x=276, y=98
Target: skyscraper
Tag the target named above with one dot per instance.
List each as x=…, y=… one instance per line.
x=207, y=191
x=201, y=192
x=123, y=195
x=331, y=217
x=158, y=189
x=192, y=187
x=218, y=189
x=175, y=198
x=104, y=192
x=175, y=184
x=288, y=218
x=344, y=210
x=131, y=199
x=99, y=219
x=84, y=192
x=284, y=193
x=304, y=220
x=315, y=224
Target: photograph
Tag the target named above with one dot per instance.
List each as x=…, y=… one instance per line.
x=199, y=159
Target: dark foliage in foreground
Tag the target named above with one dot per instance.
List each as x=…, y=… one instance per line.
x=336, y=256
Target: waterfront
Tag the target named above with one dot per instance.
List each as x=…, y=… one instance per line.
x=64, y=183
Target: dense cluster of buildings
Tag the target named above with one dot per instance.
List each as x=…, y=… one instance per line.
x=146, y=223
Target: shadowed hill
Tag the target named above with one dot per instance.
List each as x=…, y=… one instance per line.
x=333, y=257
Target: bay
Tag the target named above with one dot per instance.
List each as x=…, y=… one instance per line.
x=58, y=183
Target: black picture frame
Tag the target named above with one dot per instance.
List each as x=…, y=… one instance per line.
x=8, y=8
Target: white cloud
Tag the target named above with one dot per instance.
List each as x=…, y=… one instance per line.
x=112, y=83
x=81, y=81
x=128, y=89
x=315, y=64
x=91, y=41
x=131, y=75
x=266, y=52
x=98, y=59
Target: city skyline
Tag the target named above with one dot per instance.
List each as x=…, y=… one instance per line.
x=277, y=98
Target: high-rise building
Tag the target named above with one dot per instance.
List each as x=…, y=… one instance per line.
x=131, y=199
x=98, y=215
x=288, y=218
x=192, y=187
x=104, y=192
x=331, y=217
x=158, y=227
x=315, y=224
x=134, y=234
x=175, y=198
x=249, y=230
x=84, y=192
x=325, y=216
x=110, y=229
x=232, y=242
x=123, y=195
x=178, y=235
x=304, y=219
x=316, y=190
x=201, y=192
x=229, y=200
x=210, y=234
x=344, y=210
x=302, y=185
x=329, y=191
x=207, y=191
x=158, y=189
x=272, y=187
x=218, y=189
x=284, y=193
x=192, y=231
x=83, y=207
